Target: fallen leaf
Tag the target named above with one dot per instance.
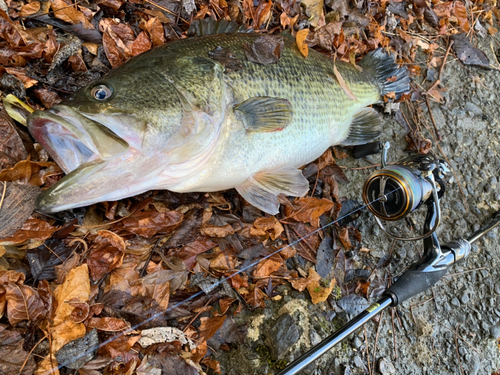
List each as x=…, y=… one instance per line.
x=344, y=238
x=309, y=209
x=12, y=149
x=211, y=230
x=353, y=304
x=314, y=9
x=467, y=53
x=461, y=13
x=108, y=324
x=23, y=302
x=342, y=82
x=18, y=205
x=300, y=39
x=69, y=14
x=268, y=266
x=149, y=223
x=43, y=259
x=264, y=50
x=107, y=255
x=32, y=229
x=267, y=227
x=76, y=286
x=319, y=293
x=23, y=170
x=12, y=354
x=164, y=334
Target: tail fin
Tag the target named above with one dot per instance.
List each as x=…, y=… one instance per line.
x=390, y=77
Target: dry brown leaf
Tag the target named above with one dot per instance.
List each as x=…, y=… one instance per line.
x=76, y=286
x=255, y=297
x=314, y=9
x=344, y=238
x=23, y=170
x=224, y=261
x=107, y=255
x=69, y=13
x=108, y=324
x=12, y=353
x=268, y=266
x=156, y=32
x=18, y=205
x=342, y=83
x=263, y=12
x=23, y=303
x=208, y=327
x=149, y=223
x=461, y=13
x=267, y=227
x=309, y=209
x=12, y=149
x=300, y=39
x=318, y=292
x=211, y=230
x=32, y=229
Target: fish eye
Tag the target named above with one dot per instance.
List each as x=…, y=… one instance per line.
x=101, y=92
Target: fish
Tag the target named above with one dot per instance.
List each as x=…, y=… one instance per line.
x=177, y=118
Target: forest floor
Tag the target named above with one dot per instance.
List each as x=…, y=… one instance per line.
x=168, y=283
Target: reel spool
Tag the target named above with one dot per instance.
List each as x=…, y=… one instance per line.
x=396, y=190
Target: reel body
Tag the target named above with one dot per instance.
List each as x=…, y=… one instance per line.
x=396, y=190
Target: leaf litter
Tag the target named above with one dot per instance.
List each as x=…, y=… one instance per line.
x=93, y=273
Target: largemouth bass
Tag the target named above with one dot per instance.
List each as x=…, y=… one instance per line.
x=175, y=118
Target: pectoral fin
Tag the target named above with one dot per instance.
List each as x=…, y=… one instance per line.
x=366, y=126
x=262, y=189
x=265, y=114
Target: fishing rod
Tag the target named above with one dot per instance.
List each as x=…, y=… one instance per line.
x=419, y=180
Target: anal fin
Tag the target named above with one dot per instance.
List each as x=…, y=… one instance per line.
x=366, y=126
x=265, y=114
x=262, y=189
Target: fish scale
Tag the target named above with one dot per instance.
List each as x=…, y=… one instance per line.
x=191, y=126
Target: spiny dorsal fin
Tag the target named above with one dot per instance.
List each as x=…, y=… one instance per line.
x=366, y=126
x=265, y=114
x=262, y=189
x=209, y=26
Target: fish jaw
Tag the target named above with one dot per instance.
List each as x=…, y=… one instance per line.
x=72, y=139
x=97, y=181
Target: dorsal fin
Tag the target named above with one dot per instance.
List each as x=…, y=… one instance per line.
x=209, y=26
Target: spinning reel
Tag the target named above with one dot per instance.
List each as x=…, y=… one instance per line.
x=396, y=190
x=391, y=194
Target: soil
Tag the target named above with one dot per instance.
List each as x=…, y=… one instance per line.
x=451, y=329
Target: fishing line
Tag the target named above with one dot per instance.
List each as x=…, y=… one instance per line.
x=201, y=292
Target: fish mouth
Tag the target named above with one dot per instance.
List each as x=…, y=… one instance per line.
x=72, y=139
x=83, y=148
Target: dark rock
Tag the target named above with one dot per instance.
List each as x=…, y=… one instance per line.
x=282, y=335
x=76, y=353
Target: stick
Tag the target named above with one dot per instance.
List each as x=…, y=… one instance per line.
x=394, y=335
x=438, y=135
x=376, y=339
x=456, y=347
x=438, y=80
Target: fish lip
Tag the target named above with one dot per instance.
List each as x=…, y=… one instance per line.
x=70, y=137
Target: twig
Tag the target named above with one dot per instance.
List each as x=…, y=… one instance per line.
x=367, y=351
x=3, y=194
x=29, y=354
x=394, y=335
x=460, y=273
x=315, y=184
x=438, y=80
x=456, y=347
x=143, y=271
x=166, y=10
x=376, y=339
x=460, y=337
x=438, y=135
x=197, y=315
x=423, y=302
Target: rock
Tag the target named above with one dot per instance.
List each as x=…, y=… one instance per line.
x=314, y=337
x=386, y=367
x=455, y=302
x=495, y=332
x=356, y=343
x=358, y=362
x=283, y=334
